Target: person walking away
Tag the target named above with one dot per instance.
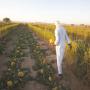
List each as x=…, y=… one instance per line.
x=61, y=38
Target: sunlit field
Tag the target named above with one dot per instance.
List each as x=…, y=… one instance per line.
x=24, y=58
x=79, y=55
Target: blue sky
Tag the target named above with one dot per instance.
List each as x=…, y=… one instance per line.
x=67, y=11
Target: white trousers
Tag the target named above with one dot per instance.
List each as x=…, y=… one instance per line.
x=59, y=55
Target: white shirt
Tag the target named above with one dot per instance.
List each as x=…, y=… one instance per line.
x=61, y=36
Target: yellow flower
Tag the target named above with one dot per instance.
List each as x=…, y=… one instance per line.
x=9, y=83
x=18, y=47
x=55, y=88
x=21, y=53
x=44, y=61
x=9, y=69
x=51, y=41
x=13, y=63
x=37, y=46
x=50, y=78
x=21, y=74
x=17, y=51
x=41, y=71
x=14, y=59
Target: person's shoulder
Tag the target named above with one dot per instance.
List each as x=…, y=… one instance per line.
x=57, y=29
x=63, y=29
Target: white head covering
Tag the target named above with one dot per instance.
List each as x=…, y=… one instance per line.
x=58, y=24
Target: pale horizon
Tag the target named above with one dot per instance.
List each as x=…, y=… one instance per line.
x=66, y=11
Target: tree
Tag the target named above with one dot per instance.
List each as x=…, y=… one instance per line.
x=6, y=20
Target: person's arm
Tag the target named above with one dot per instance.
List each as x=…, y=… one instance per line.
x=56, y=37
x=68, y=40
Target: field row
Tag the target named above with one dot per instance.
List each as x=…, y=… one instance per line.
x=4, y=29
x=75, y=32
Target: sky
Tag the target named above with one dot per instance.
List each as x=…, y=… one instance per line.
x=66, y=11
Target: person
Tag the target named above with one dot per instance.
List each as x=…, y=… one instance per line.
x=60, y=38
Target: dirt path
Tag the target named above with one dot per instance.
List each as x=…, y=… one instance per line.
x=32, y=85
x=28, y=63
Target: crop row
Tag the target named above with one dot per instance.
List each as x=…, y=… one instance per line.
x=4, y=29
x=16, y=76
